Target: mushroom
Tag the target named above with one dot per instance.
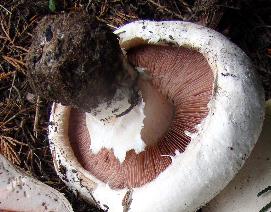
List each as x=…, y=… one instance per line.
x=244, y=191
x=20, y=192
x=198, y=116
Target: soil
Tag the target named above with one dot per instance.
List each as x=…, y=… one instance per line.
x=74, y=59
x=24, y=116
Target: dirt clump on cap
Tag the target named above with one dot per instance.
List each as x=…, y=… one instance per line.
x=75, y=60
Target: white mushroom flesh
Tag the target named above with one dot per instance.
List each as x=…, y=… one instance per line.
x=120, y=134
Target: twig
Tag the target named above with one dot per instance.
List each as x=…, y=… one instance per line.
x=7, y=145
x=11, y=118
x=12, y=140
x=37, y=114
x=33, y=20
x=5, y=32
x=38, y=162
x=19, y=94
x=15, y=62
x=165, y=9
x=6, y=75
x=19, y=47
x=89, y=2
x=103, y=8
x=12, y=84
x=125, y=17
x=104, y=21
x=5, y=9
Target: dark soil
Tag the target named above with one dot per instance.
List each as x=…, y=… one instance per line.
x=74, y=59
x=24, y=116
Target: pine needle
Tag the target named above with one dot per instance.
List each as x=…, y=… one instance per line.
x=7, y=145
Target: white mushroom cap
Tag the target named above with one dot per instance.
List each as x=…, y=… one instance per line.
x=241, y=193
x=222, y=142
x=20, y=192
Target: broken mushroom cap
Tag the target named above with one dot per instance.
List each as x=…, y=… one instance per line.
x=243, y=191
x=20, y=192
x=217, y=118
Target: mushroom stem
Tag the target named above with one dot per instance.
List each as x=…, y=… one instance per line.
x=109, y=127
x=120, y=130
x=125, y=97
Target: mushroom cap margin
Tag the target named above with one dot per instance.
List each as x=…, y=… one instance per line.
x=20, y=192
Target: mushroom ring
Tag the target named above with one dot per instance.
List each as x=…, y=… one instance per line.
x=199, y=115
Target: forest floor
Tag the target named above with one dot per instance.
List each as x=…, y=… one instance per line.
x=24, y=116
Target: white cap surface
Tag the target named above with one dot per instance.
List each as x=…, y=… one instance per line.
x=241, y=193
